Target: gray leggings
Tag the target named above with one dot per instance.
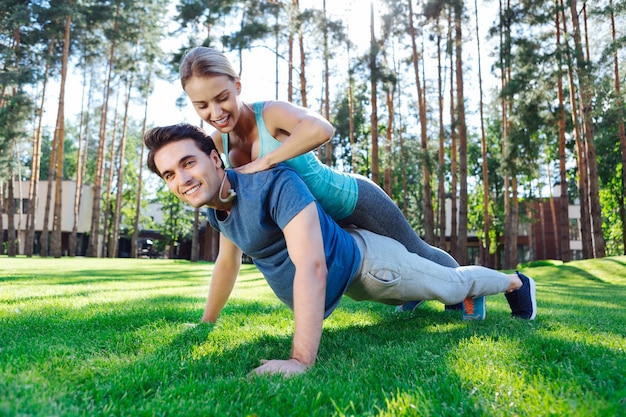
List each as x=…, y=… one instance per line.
x=376, y=212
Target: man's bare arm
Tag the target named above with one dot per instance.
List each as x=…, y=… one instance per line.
x=306, y=250
x=225, y=273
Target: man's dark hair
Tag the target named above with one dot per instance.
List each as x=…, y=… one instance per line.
x=158, y=137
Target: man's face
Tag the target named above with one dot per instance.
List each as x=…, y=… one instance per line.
x=190, y=174
x=216, y=100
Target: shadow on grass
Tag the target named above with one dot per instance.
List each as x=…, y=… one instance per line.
x=103, y=275
x=119, y=358
x=616, y=260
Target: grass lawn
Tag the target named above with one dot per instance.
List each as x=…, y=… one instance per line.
x=117, y=337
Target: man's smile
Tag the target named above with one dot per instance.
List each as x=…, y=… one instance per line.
x=191, y=190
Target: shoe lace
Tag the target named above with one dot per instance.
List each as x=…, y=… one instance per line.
x=468, y=304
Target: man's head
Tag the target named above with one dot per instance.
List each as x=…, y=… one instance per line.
x=186, y=158
x=158, y=137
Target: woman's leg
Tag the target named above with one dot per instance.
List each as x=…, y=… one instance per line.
x=376, y=212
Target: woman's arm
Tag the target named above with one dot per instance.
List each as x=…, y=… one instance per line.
x=299, y=129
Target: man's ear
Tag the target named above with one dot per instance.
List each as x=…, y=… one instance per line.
x=216, y=158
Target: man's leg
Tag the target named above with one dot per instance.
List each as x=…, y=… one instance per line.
x=392, y=275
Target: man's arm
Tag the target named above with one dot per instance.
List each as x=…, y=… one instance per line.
x=225, y=273
x=306, y=250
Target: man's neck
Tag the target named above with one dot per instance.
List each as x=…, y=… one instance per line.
x=225, y=195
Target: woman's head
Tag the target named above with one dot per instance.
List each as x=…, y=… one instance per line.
x=205, y=62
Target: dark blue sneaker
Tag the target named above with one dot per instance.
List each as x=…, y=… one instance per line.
x=454, y=307
x=474, y=308
x=409, y=306
x=523, y=301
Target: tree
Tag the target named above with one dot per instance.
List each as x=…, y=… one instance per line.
x=36, y=159
x=429, y=224
x=586, y=97
x=177, y=220
x=485, y=258
x=60, y=140
x=620, y=121
x=460, y=102
x=373, y=67
x=564, y=244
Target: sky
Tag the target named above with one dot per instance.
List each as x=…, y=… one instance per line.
x=258, y=76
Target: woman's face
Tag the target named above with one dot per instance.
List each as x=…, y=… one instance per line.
x=216, y=100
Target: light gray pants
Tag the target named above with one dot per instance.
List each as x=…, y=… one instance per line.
x=390, y=274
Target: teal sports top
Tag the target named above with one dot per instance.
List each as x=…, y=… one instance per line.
x=336, y=191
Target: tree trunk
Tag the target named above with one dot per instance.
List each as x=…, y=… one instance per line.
x=428, y=216
x=586, y=102
x=96, y=214
x=302, y=67
x=563, y=217
x=463, y=197
x=454, y=217
x=11, y=209
x=485, y=258
x=328, y=146
x=135, y=237
x=57, y=231
x=3, y=209
x=441, y=188
x=108, y=209
x=33, y=188
x=514, y=221
x=585, y=222
x=373, y=98
x=81, y=159
x=353, y=158
x=388, y=186
x=555, y=224
x=290, y=53
x=195, y=236
x=117, y=216
x=44, y=239
x=509, y=191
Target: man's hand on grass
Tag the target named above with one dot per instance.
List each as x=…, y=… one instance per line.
x=276, y=366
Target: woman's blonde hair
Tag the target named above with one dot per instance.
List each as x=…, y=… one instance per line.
x=205, y=62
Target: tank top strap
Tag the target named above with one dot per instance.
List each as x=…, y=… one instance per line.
x=226, y=149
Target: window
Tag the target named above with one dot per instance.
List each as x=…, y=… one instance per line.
x=574, y=229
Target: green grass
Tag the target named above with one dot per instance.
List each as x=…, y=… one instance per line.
x=115, y=337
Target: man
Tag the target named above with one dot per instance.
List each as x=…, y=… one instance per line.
x=307, y=259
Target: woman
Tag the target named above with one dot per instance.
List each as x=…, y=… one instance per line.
x=255, y=137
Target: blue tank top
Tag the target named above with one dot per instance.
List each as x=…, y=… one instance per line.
x=337, y=192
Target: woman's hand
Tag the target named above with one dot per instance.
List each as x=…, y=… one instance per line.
x=257, y=165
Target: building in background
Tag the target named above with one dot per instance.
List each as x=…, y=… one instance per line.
x=68, y=189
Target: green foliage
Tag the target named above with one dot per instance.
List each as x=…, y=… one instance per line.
x=612, y=225
x=341, y=122
x=104, y=337
x=177, y=216
x=69, y=157
x=12, y=117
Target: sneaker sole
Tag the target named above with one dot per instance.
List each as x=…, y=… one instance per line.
x=533, y=290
